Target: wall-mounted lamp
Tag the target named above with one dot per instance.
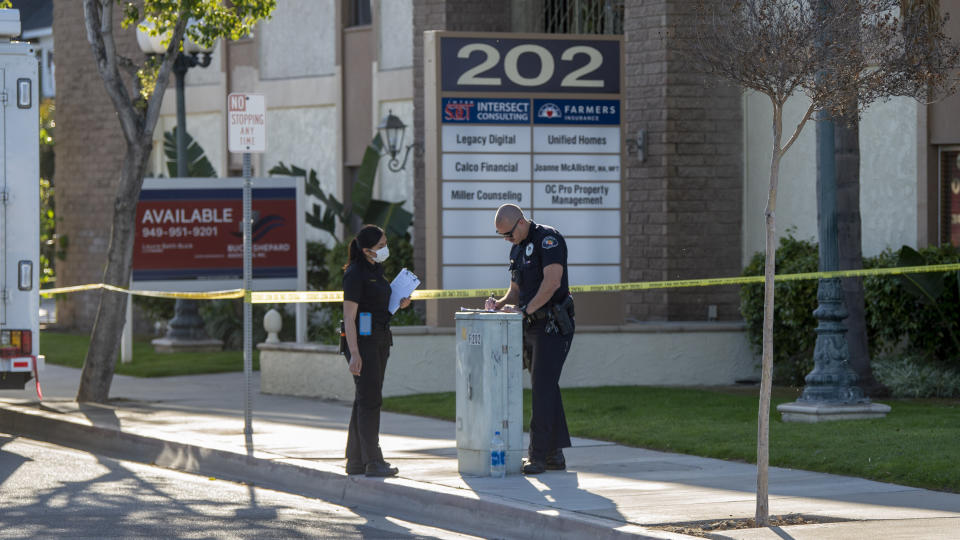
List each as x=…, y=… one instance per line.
x=638, y=146
x=391, y=132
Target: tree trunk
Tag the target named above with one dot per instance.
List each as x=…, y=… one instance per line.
x=108, y=324
x=766, y=376
x=847, y=154
x=137, y=124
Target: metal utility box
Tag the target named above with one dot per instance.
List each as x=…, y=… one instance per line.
x=489, y=389
x=19, y=207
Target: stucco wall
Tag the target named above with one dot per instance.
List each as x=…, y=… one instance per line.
x=205, y=128
x=395, y=34
x=299, y=41
x=888, y=173
x=424, y=360
x=303, y=136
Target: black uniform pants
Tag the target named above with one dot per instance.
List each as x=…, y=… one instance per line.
x=548, y=424
x=363, y=436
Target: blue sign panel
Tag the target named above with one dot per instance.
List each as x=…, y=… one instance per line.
x=485, y=111
x=476, y=64
x=576, y=111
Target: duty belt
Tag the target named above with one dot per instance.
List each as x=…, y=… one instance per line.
x=538, y=315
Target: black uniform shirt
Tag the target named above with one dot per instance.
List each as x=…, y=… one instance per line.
x=364, y=284
x=543, y=246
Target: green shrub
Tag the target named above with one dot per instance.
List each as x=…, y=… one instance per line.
x=224, y=321
x=318, y=275
x=898, y=316
x=155, y=309
x=914, y=377
x=794, y=302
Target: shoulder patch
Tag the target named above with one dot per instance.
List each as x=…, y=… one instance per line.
x=549, y=242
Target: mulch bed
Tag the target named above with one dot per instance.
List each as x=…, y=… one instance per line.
x=704, y=529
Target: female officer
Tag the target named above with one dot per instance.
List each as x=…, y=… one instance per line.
x=366, y=295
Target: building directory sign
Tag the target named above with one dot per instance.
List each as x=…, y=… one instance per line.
x=533, y=120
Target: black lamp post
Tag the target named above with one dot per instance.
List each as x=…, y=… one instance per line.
x=186, y=323
x=831, y=391
x=392, y=130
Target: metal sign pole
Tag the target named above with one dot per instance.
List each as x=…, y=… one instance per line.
x=247, y=133
x=247, y=306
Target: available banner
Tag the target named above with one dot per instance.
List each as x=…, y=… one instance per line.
x=189, y=234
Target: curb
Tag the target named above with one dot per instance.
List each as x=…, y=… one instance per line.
x=460, y=510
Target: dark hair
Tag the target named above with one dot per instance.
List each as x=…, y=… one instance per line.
x=368, y=237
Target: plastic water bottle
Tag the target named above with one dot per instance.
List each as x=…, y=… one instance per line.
x=498, y=457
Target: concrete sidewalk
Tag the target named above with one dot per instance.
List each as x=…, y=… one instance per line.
x=195, y=424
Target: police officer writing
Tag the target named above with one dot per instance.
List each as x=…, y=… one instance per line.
x=366, y=322
x=539, y=290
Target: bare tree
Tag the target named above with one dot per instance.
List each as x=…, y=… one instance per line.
x=136, y=90
x=784, y=47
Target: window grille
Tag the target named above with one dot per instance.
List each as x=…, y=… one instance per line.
x=582, y=17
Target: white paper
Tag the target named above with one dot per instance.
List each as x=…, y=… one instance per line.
x=402, y=287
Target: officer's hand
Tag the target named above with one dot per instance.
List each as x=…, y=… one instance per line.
x=356, y=364
x=405, y=302
x=510, y=309
x=490, y=304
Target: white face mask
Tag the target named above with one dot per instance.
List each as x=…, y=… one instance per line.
x=381, y=254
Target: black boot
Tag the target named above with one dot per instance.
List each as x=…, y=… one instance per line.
x=380, y=468
x=534, y=466
x=555, y=461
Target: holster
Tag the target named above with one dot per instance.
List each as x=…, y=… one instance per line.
x=343, y=339
x=563, y=315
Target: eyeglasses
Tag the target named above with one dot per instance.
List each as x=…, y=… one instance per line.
x=510, y=233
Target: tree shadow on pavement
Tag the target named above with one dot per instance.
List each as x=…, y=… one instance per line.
x=556, y=489
x=104, y=498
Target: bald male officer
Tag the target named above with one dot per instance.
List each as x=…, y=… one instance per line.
x=539, y=290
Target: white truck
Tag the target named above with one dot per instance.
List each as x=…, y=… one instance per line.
x=19, y=209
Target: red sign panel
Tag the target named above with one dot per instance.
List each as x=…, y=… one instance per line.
x=196, y=234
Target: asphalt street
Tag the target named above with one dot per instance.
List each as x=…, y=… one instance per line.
x=49, y=491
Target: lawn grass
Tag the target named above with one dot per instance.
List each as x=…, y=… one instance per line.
x=918, y=444
x=69, y=349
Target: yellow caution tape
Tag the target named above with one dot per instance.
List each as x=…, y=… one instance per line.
x=430, y=294
x=283, y=297
x=208, y=295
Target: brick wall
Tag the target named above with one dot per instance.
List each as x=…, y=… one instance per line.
x=683, y=205
x=88, y=158
x=644, y=187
